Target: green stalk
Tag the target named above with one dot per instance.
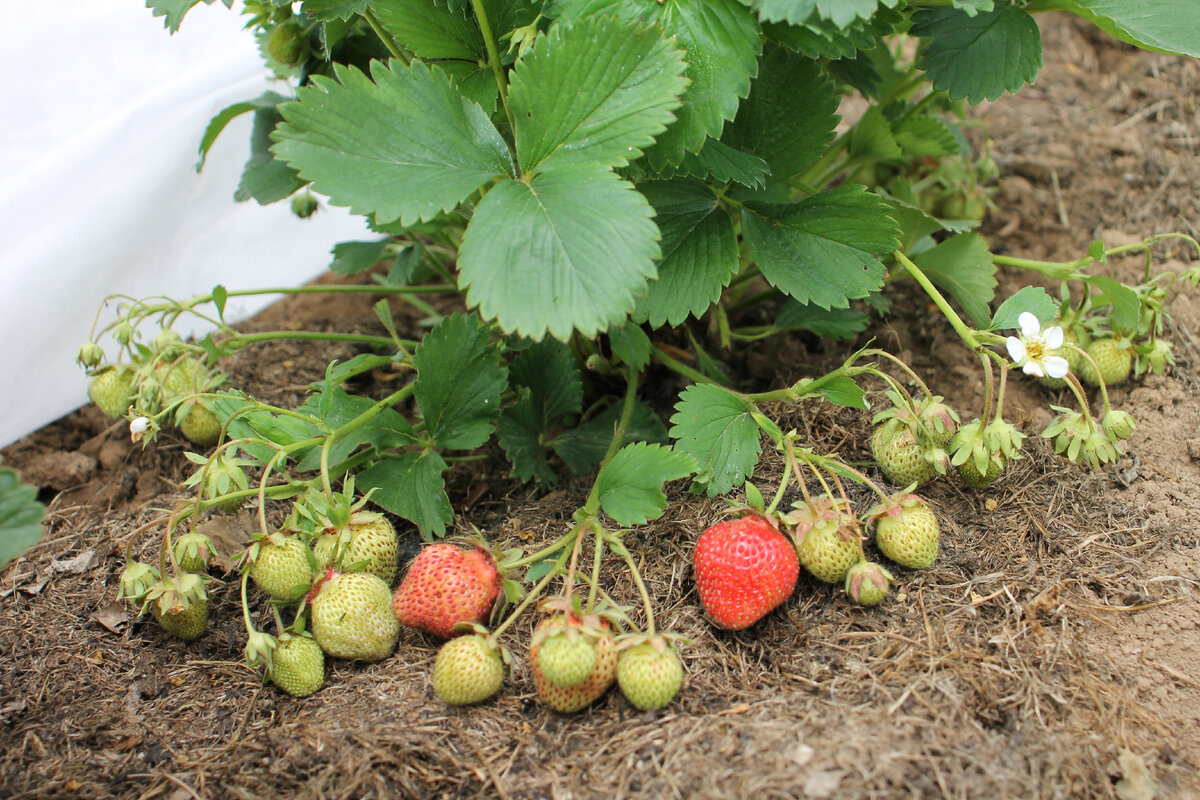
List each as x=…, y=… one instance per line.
x=240, y=340
x=493, y=51
x=966, y=333
x=647, y=606
x=592, y=506
x=388, y=40
x=534, y=593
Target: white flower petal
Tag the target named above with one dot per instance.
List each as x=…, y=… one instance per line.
x=1030, y=326
x=1016, y=349
x=1033, y=368
x=139, y=425
x=1056, y=366
x=1053, y=337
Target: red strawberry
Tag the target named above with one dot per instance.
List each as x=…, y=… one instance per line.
x=744, y=568
x=444, y=586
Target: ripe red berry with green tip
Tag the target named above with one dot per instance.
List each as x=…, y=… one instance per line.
x=468, y=669
x=351, y=618
x=744, y=568
x=444, y=586
x=298, y=665
x=580, y=696
x=649, y=675
x=906, y=531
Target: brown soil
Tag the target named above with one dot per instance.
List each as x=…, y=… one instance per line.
x=1051, y=651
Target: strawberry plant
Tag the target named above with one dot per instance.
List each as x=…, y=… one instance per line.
x=575, y=195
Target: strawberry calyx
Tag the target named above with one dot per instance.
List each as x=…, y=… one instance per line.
x=320, y=582
x=896, y=506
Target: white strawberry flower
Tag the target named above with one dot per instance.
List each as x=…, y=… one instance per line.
x=1035, y=350
x=138, y=427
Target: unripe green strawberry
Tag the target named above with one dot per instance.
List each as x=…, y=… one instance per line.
x=972, y=477
x=867, y=583
x=649, y=676
x=1114, y=362
x=568, y=701
x=940, y=421
x=469, y=669
x=200, y=424
x=352, y=616
x=112, y=390
x=287, y=43
x=900, y=457
x=828, y=537
x=180, y=605
x=298, y=665
x=90, y=355
x=906, y=531
x=192, y=551
x=136, y=581
x=281, y=567
x=566, y=659
x=368, y=544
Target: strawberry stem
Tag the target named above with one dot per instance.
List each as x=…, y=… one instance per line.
x=619, y=548
x=533, y=594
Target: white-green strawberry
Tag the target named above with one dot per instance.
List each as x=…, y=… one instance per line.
x=111, y=390
x=867, y=583
x=566, y=658
x=282, y=566
x=900, y=457
x=193, y=551
x=906, y=531
x=1113, y=361
x=297, y=665
x=650, y=674
x=468, y=669
x=180, y=604
x=352, y=616
x=827, y=538
x=368, y=544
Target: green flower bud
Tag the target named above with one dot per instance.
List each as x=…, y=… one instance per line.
x=90, y=355
x=1118, y=424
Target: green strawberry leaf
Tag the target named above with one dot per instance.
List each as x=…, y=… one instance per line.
x=431, y=30
x=1168, y=26
x=335, y=407
x=962, y=265
x=925, y=136
x=716, y=428
x=20, y=516
x=519, y=433
x=722, y=41
x=700, y=252
x=593, y=91
x=630, y=344
x=265, y=178
x=825, y=249
x=226, y=115
x=722, y=164
x=173, y=11
x=581, y=448
x=549, y=371
x=789, y=117
x=459, y=381
x=329, y=10
x=872, y=137
x=843, y=391
x=568, y=250
x=828, y=323
x=1032, y=299
x=630, y=485
x=1126, y=305
x=411, y=486
x=351, y=258
x=978, y=56
x=406, y=146
x=839, y=12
